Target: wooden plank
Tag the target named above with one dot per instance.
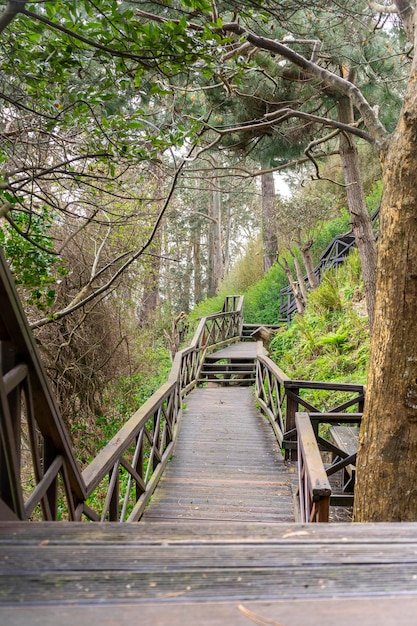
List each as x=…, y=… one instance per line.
x=227, y=582
x=169, y=532
x=239, y=350
x=313, y=462
x=345, y=437
x=309, y=612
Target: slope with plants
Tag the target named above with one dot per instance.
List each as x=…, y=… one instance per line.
x=330, y=342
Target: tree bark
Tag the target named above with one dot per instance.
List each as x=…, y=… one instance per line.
x=300, y=277
x=305, y=250
x=294, y=286
x=360, y=218
x=216, y=254
x=386, y=487
x=269, y=223
x=196, y=245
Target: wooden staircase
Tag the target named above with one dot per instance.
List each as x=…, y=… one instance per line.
x=231, y=366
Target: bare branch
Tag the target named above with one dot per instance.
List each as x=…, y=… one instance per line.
x=104, y=288
x=272, y=119
x=382, y=8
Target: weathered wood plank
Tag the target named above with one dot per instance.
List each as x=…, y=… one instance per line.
x=142, y=533
x=240, y=350
x=228, y=583
x=324, y=612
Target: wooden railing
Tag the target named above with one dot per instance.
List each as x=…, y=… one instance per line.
x=280, y=398
x=131, y=464
x=39, y=473
x=334, y=255
x=314, y=491
x=270, y=392
x=36, y=458
x=313, y=494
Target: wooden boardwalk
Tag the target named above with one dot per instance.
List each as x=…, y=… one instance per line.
x=227, y=465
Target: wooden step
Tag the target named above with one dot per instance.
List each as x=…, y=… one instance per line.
x=201, y=572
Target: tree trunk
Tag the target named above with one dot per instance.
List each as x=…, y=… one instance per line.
x=300, y=278
x=360, y=218
x=216, y=255
x=151, y=281
x=196, y=245
x=294, y=286
x=386, y=487
x=150, y=298
x=305, y=250
x=226, y=239
x=269, y=225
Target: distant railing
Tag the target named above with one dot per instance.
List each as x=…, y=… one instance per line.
x=39, y=473
x=334, y=255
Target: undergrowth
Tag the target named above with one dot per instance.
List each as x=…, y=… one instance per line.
x=330, y=342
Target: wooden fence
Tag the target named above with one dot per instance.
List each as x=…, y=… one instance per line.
x=297, y=423
x=334, y=255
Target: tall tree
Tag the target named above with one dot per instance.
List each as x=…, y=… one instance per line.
x=387, y=454
x=269, y=222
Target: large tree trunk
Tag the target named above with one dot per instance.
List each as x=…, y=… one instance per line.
x=387, y=460
x=360, y=218
x=269, y=225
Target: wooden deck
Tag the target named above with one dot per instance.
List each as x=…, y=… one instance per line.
x=227, y=465
x=217, y=544
x=184, y=574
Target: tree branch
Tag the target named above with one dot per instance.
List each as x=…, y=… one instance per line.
x=104, y=288
x=13, y=7
x=343, y=86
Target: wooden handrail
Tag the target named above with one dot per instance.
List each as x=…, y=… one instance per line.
x=153, y=428
x=314, y=489
x=23, y=376
x=280, y=398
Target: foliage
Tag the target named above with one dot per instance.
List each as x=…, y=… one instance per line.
x=33, y=266
x=330, y=342
x=246, y=271
x=261, y=304
x=209, y=306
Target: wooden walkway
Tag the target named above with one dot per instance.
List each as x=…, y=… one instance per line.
x=227, y=465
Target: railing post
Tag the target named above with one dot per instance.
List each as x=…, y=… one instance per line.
x=292, y=408
x=114, y=502
x=49, y=455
